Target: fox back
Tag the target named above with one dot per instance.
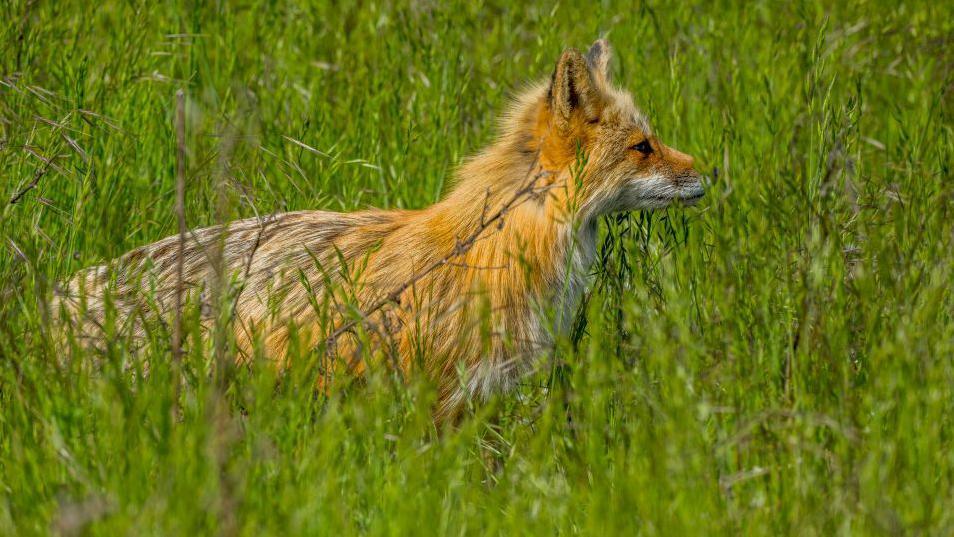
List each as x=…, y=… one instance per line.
x=468, y=292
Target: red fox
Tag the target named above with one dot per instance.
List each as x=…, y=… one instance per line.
x=468, y=291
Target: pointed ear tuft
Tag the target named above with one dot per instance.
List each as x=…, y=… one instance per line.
x=599, y=56
x=572, y=89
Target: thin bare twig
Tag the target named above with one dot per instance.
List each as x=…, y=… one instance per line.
x=217, y=256
x=40, y=172
x=180, y=216
x=226, y=433
x=461, y=247
x=262, y=225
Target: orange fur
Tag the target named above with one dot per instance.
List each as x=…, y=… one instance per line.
x=476, y=321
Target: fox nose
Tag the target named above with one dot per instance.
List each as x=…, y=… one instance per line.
x=690, y=178
x=692, y=187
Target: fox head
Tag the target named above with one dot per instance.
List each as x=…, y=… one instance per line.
x=627, y=167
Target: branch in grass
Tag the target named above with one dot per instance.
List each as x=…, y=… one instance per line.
x=40, y=172
x=180, y=217
x=460, y=248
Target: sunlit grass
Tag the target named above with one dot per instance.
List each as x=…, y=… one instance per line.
x=776, y=360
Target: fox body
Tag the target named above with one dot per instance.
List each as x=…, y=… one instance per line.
x=467, y=291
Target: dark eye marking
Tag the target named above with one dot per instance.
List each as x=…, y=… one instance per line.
x=643, y=147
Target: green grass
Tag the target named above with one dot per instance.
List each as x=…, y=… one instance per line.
x=777, y=360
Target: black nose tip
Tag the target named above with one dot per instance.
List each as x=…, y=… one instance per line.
x=687, y=179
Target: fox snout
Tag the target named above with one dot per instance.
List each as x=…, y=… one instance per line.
x=689, y=186
x=682, y=172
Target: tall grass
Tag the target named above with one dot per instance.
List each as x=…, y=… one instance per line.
x=778, y=360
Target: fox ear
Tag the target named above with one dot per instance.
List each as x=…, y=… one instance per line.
x=599, y=56
x=572, y=89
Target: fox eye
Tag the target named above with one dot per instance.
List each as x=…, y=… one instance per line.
x=643, y=147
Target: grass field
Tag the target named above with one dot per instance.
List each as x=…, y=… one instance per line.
x=777, y=360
